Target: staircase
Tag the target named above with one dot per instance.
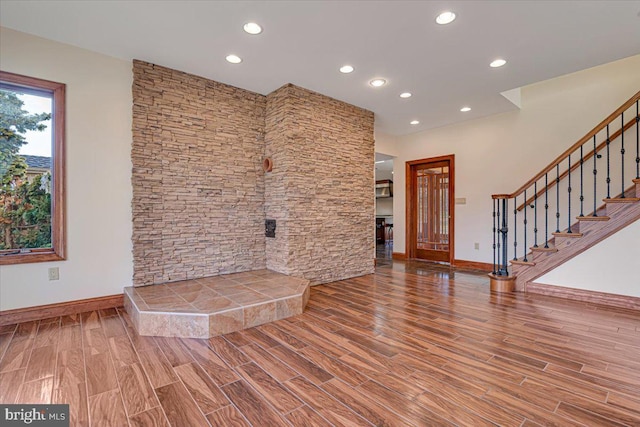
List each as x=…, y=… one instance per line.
x=529, y=240
x=587, y=231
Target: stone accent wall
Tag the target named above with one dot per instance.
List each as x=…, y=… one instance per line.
x=200, y=196
x=198, y=184
x=321, y=188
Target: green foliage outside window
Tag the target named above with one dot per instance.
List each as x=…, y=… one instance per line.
x=25, y=204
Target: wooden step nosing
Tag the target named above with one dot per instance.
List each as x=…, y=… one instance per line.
x=593, y=218
x=563, y=234
x=622, y=200
x=543, y=249
x=519, y=262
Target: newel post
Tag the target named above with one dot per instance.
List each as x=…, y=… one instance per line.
x=499, y=279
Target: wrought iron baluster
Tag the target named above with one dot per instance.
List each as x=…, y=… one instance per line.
x=515, y=228
x=608, y=177
x=637, y=143
x=535, y=214
x=546, y=210
x=499, y=253
x=595, y=174
x=494, y=236
x=622, y=152
x=569, y=197
x=505, y=231
x=582, y=184
x=558, y=198
x=525, y=226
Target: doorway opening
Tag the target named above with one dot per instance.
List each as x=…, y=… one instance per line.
x=384, y=208
x=430, y=209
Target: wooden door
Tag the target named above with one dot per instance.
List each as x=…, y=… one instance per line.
x=430, y=213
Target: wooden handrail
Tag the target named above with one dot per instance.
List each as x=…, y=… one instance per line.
x=586, y=157
x=571, y=149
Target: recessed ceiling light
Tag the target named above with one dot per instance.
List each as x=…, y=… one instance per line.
x=252, y=28
x=465, y=109
x=234, y=59
x=346, y=69
x=378, y=82
x=405, y=95
x=497, y=63
x=446, y=17
x=414, y=122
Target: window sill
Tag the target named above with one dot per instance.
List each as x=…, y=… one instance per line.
x=37, y=255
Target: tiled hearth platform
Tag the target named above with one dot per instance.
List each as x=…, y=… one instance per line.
x=203, y=308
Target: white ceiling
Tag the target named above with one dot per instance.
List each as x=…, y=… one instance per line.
x=305, y=42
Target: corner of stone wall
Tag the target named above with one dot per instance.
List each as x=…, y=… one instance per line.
x=321, y=186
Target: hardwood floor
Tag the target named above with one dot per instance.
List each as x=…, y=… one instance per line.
x=413, y=344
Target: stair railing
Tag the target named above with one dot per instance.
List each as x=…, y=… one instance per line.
x=602, y=153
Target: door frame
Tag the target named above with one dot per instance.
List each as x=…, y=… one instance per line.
x=411, y=223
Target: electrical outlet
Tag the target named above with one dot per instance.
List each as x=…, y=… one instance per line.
x=476, y=246
x=54, y=273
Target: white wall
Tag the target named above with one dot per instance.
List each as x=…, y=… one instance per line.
x=610, y=266
x=555, y=114
x=386, y=144
x=98, y=165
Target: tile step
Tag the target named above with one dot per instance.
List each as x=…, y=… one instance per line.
x=211, y=306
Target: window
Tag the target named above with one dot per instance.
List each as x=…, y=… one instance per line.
x=32, y=217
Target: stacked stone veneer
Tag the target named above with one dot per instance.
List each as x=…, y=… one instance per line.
x=320, y=189
x=198, y=184
x=200, y=196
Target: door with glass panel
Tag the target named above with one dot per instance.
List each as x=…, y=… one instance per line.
x=430, y=196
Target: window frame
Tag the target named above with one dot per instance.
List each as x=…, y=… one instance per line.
x=57, y=252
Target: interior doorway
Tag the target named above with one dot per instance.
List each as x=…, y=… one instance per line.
x=384, y=208
x=430, y=209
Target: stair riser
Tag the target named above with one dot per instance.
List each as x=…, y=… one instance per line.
x=566, y=242
x=539, y=256
x=576, y=227
x=612, y=208
x=590, y=225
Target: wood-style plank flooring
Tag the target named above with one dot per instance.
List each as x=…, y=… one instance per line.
x=413, y=344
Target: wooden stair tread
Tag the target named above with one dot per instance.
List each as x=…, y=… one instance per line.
x=636, y=180
x=622, y=200
x=543, y=249
x=593, y=218
x=520, y=262
x=565, y=234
